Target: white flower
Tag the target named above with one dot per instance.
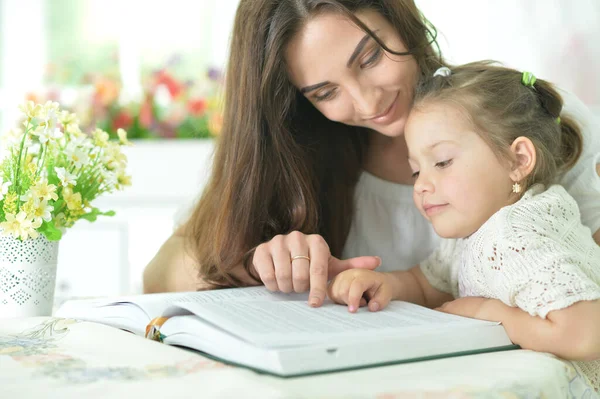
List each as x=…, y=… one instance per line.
x=76, y=155
x=42, y=212
x=49, y=134
x=66, y=179
x=12, y=138
x=4, y=187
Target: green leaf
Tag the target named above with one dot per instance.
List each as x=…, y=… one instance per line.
x=50, y=231
x=93, y=215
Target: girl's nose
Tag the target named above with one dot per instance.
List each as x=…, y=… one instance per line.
x=423, y=184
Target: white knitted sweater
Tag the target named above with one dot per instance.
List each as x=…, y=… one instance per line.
x=534, y=254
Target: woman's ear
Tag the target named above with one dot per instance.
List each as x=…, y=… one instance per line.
x=524, y=156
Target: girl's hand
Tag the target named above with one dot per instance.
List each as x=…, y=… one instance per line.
x=360, y=287
x=299, y=262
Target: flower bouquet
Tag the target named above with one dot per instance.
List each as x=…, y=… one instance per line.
x=50, y=172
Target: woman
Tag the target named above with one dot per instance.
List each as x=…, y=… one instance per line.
x=312, y=164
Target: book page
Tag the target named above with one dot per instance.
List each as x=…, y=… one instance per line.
x=292, y=322
x=133, y=312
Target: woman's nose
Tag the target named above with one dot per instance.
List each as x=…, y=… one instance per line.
x=367, y=100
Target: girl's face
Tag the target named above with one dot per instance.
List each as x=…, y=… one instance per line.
x=460, y=183
x=348, y=77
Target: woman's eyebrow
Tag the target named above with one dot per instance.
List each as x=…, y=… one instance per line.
x=307, y=89
x=359, y=47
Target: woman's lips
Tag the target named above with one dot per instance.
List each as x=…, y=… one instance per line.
x=388, y=115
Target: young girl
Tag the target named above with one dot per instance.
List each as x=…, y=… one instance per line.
x=486, y=144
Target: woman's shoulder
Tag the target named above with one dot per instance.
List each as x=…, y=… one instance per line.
x=373, y=186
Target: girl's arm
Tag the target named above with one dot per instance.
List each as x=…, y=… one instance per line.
x=413, y=286
x=572, y=333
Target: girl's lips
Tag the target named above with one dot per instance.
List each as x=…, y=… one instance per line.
x=433, y=209
x=388, y=115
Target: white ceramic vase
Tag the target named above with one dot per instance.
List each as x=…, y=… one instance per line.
x=27, y=276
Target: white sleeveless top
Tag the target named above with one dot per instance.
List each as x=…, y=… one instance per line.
x=386, y=222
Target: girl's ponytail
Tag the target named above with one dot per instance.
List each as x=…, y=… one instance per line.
x=572, y=143
x=570, y=134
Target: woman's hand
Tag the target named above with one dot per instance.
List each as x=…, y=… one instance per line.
x=299, y=262
x=358, y=287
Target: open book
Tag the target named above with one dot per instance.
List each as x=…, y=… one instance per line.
x=280, y=334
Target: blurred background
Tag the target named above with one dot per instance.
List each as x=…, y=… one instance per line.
x=156, y=68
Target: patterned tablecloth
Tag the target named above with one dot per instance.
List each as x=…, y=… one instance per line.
x=63, y=358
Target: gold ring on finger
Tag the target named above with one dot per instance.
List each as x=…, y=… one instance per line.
x=300, y=257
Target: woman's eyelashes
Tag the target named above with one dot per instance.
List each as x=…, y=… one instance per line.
x=325, y=96
x=372, y=58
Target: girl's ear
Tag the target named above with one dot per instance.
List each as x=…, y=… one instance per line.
x=524, y=156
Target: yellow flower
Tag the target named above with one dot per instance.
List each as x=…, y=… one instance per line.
x=31, y=168
x=67, y=118
x=10, y=203
x=123, y=137
x=100, y=138
x=73, y=200
x=30, y=204
x=113, y=157
x=44, y=191
x=123, y=179
x=60, y=221
x=20, y=226
x=74, y=131
x=31, y=109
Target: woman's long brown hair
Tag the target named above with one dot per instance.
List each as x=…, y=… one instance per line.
x=279, y=164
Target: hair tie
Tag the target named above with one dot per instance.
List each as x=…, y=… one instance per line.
x=558, y=120
x=443, y=71
x=528, y=79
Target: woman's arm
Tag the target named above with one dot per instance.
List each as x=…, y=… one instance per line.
x=572, y=333
x=173, y=269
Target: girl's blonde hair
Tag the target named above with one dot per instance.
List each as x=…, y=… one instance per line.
x=501, y=108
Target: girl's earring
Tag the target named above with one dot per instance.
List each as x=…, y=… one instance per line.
x=516, y=188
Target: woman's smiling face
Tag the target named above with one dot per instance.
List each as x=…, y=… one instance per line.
x=348, y=77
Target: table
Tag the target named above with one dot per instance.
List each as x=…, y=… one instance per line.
x=50, y=357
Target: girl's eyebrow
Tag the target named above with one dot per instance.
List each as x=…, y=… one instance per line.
x=359, y=47
x=432, y=146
